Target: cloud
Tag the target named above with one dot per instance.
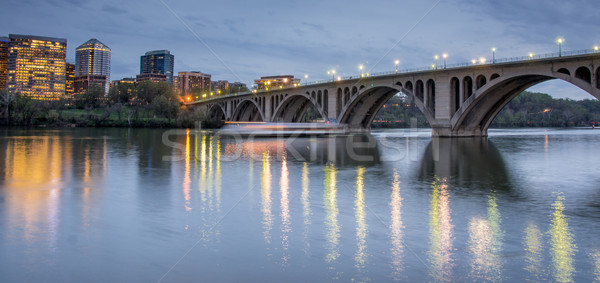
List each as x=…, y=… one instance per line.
x=113, y=9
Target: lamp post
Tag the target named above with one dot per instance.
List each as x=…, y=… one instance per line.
x=436, y=59
x=396, y=63
x=445, y=55
x=360, y=68
x=493, y=55
x=560, y=41
x=596, y=48
x=530, y=55
x=482, y=60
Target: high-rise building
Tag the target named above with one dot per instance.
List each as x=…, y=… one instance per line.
x=220, y=86
x=238, y=87
x=158, y=62
x=93, y=58
x=70, y=79
x=193, y=81
x=151, y=77
x=86, y=82
x=3, y=62
x=272, y=82
x=36, y=66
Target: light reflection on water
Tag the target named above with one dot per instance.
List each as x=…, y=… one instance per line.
x=71, y=200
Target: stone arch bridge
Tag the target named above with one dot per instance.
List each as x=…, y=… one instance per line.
x=457, y=101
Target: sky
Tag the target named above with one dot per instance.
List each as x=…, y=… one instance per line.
x=244, y=40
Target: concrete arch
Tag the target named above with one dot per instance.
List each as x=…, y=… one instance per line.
x=355, y=90
x=584, y=73
x=480, y=81
x=477, y=113
x=598, y=78
x=293, y=108
x=564, y=71
x=454, y=95
x=362, y=109
x=217, y=112
x=247, y=110
x=430, y=100
x=467, y=87
x=420, y=90
x=409, y=86
x=494, y=76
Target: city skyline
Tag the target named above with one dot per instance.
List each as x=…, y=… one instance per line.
x=304, y=39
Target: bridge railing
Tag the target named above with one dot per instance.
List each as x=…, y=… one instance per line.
x=529, y=57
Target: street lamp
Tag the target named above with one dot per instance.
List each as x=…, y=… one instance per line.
x=473, y=61
x=596, y=48
x=560, y=41
x=396, y=63
x=482, y=60
x=436, y=58
x=445, y=55
x=360, y=68
x=493, y=55
x=530, y=55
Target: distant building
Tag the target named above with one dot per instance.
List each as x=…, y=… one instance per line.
x=272, y=82
x=151, y=77
x=83, y=83
x=220, y=85
x=36, y=66
x=237, y=87
x=116, y=83
x=93, y=58
x=158, y=62
x=191, y=81
x=3, y=62
x=70, y=79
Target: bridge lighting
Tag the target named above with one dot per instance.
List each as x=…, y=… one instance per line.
x=396, y=63
x=473, y=61
x=560, y=41
x=493, y=55
x=546, y=110
x=530, y=55
x=339, y=78
x=596, y=48
x=306, y=76
x=204, y=95
x=433, y=66
x=482, y=60
x=445, y=56
x=436, y=58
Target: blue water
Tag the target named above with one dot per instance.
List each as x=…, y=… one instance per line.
x=183, y=205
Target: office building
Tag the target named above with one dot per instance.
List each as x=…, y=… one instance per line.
x=70, y=79
x=86, y=82
x=36, y=66
x=93, y=59
x=158, y=62
x=151, y=77
x=222, y=86
x=193, y=82
x=272, y=82
x=3, y=62
x=238, y=87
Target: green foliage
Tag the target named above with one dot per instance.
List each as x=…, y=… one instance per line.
x=92, y=98
x=530, y=109
x=146, y=91
x=397, y=113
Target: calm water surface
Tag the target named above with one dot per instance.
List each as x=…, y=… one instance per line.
x=122, y=205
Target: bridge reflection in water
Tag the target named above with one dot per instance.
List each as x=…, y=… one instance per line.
x=315, y=185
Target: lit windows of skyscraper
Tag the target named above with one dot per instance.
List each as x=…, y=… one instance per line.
x=193, y=81
x=69, y=79
x=158, y=62
x=3, y=61
x=93, y=59
x=36, y=66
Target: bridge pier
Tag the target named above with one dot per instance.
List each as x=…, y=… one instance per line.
x=445, y=131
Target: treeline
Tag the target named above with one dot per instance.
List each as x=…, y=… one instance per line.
x=528, y=109
x=147, y=104
x=531, y=109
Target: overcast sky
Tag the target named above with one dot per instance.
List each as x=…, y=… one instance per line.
x=243, y=40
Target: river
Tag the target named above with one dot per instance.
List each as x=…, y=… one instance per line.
x=123, y=205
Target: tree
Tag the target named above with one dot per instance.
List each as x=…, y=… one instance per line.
x=7, y=101
x=146, y=91
x=92, y=98
x=122, y=93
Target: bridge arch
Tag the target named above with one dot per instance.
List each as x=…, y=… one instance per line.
x=564, y=71
x=293, y=108
x=362, y=109
x=454, y=95
x=584, y=73
x=467, y=87
x=217, y=112
x=248, y=110
x=476, y=114
x=481, y=81
x=430, y=100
